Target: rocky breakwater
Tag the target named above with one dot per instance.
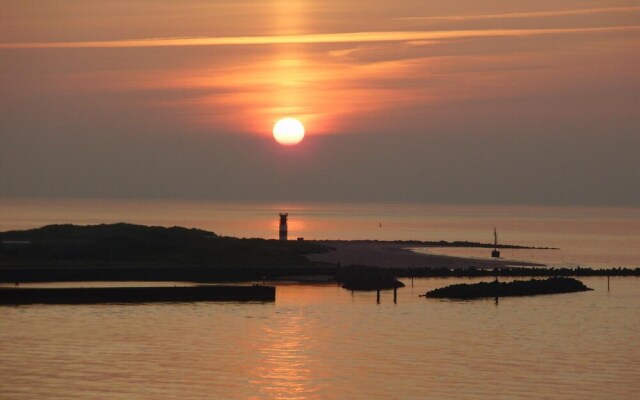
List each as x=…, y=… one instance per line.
x=507, y=289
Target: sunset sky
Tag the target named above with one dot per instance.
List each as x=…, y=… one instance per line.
x=463, y=101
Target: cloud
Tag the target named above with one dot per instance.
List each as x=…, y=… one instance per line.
x=529, y=14
x=351, y=37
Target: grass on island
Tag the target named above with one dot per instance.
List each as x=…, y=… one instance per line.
x=145, y=246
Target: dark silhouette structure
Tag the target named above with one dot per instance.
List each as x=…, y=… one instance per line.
x=497, y=289
x=283, y=226
x=495, y=253
x=136, y=294
x=362, y=277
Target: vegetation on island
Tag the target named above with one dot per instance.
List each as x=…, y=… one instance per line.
x=137, y=245
x=135, y=252
x=127, y=252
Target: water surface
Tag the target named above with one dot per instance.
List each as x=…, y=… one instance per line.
x=587, y=236
x=323, y=342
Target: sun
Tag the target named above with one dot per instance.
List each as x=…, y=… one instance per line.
x=288, y=131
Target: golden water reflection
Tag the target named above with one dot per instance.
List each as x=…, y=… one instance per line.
x=322, y=342
x=286, y=370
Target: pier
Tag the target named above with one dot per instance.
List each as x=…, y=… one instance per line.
x=16, y=296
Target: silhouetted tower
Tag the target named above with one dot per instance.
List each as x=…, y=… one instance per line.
x=283, y=226
x=495, y=253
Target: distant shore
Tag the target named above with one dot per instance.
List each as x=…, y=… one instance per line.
x=126, y=252
x=399, y=255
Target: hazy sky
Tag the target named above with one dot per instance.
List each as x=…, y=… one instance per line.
x=456, y=101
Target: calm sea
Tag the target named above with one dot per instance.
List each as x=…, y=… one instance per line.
x=323, y=342
x=596, y=237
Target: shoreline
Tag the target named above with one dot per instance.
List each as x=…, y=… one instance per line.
x=400, y=255
x=271, y=277
x=127, y=252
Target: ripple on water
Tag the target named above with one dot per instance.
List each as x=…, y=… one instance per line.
x=327, y=343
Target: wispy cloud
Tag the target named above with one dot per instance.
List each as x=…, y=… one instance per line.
x=351, y=37
x=529, y=14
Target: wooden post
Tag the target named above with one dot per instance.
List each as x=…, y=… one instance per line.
x=496, y=283
x=395, y=295
x=378, y=297
x=412, y=273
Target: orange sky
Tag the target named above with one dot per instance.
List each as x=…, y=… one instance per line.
x=411, y=68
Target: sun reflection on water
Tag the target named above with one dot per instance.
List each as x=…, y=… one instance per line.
x=286, y=370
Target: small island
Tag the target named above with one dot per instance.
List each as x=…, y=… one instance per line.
x=531, y=287
x=127, y=252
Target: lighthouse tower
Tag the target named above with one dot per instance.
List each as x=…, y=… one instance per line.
x=283, y=226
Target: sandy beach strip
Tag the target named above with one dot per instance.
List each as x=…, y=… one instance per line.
x=399, y=255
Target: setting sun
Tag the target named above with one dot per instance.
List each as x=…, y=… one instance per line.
x=288, y=131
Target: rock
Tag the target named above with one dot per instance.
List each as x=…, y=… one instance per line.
x=506, y=289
